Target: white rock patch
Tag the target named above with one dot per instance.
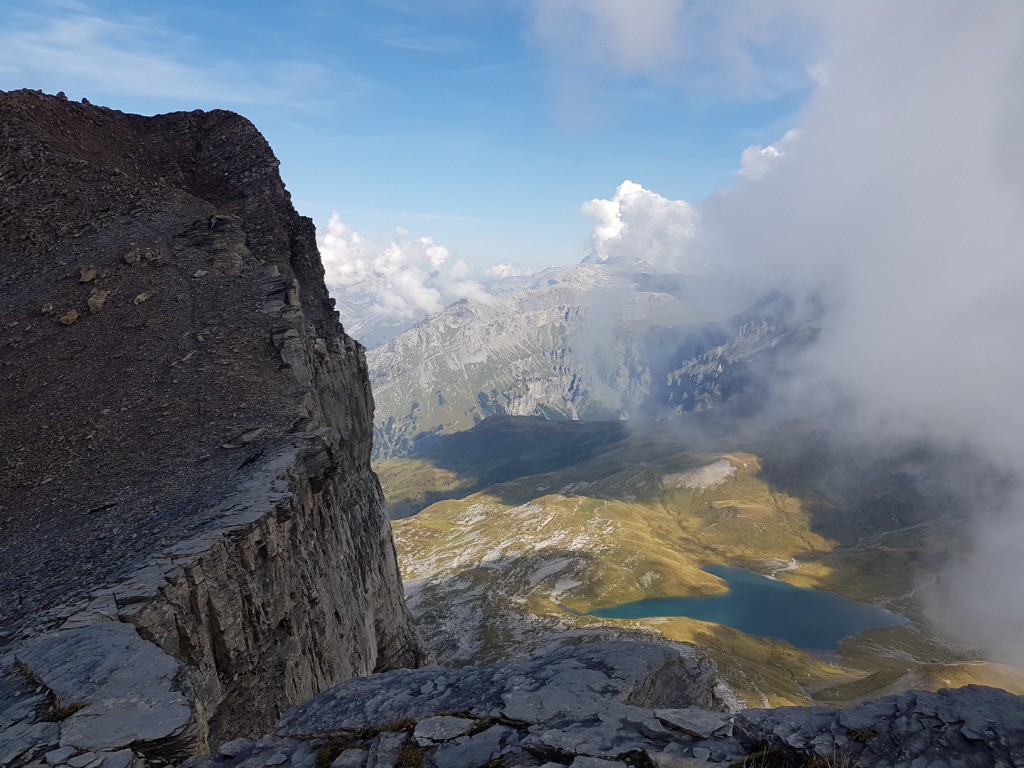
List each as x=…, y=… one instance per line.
x=701, y=479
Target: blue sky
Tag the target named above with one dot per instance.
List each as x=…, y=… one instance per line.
x=483, y=124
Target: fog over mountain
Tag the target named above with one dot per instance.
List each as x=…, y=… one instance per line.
x=896, y=213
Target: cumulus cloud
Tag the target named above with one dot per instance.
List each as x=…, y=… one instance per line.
x=405, y=280
x=642, y=224
x=898, y=213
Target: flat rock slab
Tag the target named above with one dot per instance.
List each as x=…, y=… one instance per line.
x=473, y=751
x=698, y=723
x=59, y=755
x=125, y=686
x=566, y=684
x=443, y=728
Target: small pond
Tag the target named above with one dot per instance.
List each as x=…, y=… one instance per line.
x=807, y=618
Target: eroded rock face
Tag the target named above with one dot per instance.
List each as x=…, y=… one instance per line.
x=186, y=464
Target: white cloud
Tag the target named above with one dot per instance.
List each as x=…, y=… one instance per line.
x=404, y=280
x=642, y=224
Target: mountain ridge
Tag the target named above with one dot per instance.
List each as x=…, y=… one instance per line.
x=603, y=341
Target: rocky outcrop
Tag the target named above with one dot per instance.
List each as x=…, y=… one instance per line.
x=193, y=539
x=611, y=704
x=577, y=702
x=954, y=728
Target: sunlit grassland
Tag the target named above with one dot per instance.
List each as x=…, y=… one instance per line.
x=413, y=484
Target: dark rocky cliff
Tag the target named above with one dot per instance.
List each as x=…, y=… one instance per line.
x=191, y=538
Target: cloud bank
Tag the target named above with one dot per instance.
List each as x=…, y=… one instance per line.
x=756, y=161
x=898, y=211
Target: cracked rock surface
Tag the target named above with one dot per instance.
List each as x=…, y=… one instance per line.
x=593, y=706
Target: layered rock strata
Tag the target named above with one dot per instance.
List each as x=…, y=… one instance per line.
x=193, y=539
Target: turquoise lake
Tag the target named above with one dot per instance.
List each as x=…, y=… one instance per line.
x=807, y=618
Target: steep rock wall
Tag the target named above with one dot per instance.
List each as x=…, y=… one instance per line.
x=187, y=433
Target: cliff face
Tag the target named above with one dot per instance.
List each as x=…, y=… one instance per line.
x=186, y=431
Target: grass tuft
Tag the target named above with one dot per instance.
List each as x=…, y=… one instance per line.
x=411, y=756
x=60, y=711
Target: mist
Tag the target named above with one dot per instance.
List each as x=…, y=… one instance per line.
x=893, y=215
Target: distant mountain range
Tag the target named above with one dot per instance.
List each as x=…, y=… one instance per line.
x=601, y=340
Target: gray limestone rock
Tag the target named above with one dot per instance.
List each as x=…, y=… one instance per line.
x=653, y=728
x=472, y=751
x=444, y=728
x=120, y=759
x=125, y=686
x=351, y=758
x=234, y=747
x=59, y=755
x=385, y=750
x=667, y=760
x=563, y=684
x=595, y=762
x=970, y=726
x=21, y=741
x=699, y=723
x=605, y=703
